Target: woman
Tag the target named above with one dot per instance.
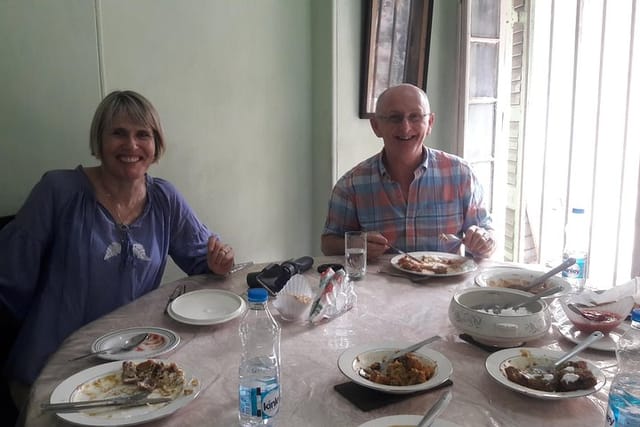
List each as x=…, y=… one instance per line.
x=91, y=239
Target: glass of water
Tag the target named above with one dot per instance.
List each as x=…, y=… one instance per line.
x=355, y=254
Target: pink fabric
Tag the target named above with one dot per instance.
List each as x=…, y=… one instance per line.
x=387, y=309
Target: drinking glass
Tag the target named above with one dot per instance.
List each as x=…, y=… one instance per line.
x=355, y=254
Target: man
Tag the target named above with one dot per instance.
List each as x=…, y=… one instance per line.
x=408, y=195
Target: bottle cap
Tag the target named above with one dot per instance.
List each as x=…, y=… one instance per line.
x=257, y=295
x=577, y=210
x=635, y=315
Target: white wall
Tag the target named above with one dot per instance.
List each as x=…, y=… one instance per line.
x=259, y=100
x=355, y=140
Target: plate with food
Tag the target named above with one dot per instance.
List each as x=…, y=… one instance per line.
x=606, y=343
x=206, y=307
x=404, y=421
x=126, y=378
x=529, y=371
x=518, y=278
x=439, y=264
x=158, y=341
x=417, y=371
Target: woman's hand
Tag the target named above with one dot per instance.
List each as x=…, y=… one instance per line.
x=219, y=256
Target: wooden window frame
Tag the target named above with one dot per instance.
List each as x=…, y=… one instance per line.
x=415, y=66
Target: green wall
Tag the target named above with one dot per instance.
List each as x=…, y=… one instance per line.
x=259, y=100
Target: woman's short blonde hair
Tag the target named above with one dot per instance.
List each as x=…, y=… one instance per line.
x=133, y=105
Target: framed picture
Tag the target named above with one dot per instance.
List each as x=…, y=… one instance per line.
x=395, y=48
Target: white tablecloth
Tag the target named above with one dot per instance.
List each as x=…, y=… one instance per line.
x=387, y=308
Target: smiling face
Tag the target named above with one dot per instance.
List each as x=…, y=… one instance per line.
x=403, y=119
x=128, y=148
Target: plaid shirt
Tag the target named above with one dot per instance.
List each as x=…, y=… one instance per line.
x=444, y=197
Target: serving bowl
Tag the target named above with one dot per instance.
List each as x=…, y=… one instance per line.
x=518, y=278
x=602, y=317
x=502, y=328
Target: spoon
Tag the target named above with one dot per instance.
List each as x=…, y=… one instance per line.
x=128, y=344
x=595, y=336
x=497, y=309
x=540, y=369
x=536, y=297
x=571, y=306
x=435, y=410
x=541, y=279
x=398, y=353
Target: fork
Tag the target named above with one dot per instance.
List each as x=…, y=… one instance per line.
x=179, y=290
x=400, y=251
x=131, y=399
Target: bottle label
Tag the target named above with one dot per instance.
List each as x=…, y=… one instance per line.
x=577, y=270
x=262, y=402
x=610, y=420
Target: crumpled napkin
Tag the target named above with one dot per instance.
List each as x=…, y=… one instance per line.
x=630, y=288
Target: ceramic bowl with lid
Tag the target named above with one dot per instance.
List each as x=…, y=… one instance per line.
x=470, y=312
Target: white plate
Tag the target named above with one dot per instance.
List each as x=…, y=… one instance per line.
x=159, y=341
x=76, y=388
x=207, y=307
x=493, y=277
x=499, y=360
x=467, y=265
x=404, y=420
x=349, y=362
x=606, y=343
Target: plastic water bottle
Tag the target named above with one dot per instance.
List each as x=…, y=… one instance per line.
x=259, y=363
x=576, y=246
x=624, y=396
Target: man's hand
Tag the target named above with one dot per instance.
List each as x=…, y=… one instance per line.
x=376, y=245
x=479, y=241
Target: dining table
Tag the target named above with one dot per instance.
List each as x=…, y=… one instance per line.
x=388, y=308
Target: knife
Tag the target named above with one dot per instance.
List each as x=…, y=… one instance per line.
x=400, y=353
x=121, y=402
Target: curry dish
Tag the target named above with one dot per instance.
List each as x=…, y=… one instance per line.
x=406, y=370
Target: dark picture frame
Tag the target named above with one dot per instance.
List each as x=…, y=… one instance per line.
x=395, y=47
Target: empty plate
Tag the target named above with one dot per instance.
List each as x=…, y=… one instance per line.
x=207, y=307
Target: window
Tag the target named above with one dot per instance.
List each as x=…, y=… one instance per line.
x=570, y=134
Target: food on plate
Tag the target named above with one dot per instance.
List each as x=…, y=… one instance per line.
x=603, y=321
x=152, y=375
x=518, y=284
x=152, y=342
x=431, y=264
x=406, y=370
x=161, y=379
x=540, y=375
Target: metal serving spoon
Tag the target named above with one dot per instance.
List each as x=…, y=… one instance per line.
x=595, y=336
x=128, y=344
x=435, y=410
x=541, y=279
x=571, y=306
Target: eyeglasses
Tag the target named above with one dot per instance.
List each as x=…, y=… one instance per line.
x=396, y=119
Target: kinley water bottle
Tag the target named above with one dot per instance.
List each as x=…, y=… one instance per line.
x=577, y=246
x=259, y=363
x=624, y=395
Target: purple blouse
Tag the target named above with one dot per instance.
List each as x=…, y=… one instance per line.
x=64, y=261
